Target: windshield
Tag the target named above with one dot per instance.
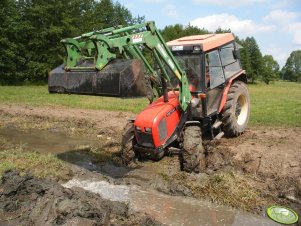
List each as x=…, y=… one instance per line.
x=191, y=64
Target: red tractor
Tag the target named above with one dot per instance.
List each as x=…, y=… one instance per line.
x=220, y=104
x=198, y=79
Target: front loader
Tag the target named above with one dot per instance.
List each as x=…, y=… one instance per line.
x=198, y=80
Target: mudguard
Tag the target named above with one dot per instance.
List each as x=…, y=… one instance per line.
x=241, y=74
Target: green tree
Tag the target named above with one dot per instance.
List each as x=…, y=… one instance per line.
x=31, y=31
x=252, y=58
x=176, y=31
x=172, y=32
x=292, y=69
x=270, y=70
x=220, y=30
x=106, y=13
x=193, y=30
x=244, y=55
x=11, y=58
x=44, y=24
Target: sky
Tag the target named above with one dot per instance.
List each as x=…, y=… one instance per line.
x=275, y=24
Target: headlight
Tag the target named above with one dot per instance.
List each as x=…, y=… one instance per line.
x=148, y=130
x=162, y=129
x=138, y=128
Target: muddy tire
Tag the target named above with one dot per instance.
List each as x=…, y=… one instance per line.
x=127, y=152
x=193, y=155
x=236, y=112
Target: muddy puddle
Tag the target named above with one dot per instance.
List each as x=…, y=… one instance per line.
x=46, y=141
x=72, y=149
x=169, y=210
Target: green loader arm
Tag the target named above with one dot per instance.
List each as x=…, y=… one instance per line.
x=127, y=42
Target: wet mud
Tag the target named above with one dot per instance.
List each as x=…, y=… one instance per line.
x=258, y=169
x=25, y=200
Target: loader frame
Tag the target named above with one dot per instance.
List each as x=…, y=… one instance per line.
x=108, y=44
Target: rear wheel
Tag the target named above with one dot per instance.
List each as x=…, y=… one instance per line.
x=236, y=112
x=193, y=155
x=128, y=140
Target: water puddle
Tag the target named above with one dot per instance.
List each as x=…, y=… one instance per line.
x=71, y=149
x=171, y=210
x=103, y=188
x=45, y=141
x=67, y=148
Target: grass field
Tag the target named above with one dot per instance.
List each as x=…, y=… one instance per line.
x=277, y=104
x=39, y=96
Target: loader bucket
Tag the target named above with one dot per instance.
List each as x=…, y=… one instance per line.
x=120, y=78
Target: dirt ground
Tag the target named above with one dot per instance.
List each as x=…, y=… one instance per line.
x=74, y=120
x=259, y=168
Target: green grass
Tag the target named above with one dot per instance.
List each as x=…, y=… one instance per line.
x=39, y=165
x=277, y=104
x=39, y=96
x=15, y=157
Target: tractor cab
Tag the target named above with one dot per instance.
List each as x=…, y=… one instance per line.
x=209, y=61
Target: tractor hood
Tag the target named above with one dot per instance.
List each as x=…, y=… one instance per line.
x=160, y=119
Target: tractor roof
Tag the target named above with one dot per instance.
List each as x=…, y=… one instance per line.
x=207, y=42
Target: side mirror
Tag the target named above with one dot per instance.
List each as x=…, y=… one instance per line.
x=236, y=54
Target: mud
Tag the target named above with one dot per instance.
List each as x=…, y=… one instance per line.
x=269, y=152
x=47, y=141
x=70, y=120
x=260, y=168
x=25, y=200
x=271, y=157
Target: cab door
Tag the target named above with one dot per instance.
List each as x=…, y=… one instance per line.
x=214, y=81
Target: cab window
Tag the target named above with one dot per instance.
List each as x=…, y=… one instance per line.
x=231, y=65
x=214, y=71
x=191, y=64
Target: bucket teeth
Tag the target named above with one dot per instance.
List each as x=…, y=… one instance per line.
x=120, y=78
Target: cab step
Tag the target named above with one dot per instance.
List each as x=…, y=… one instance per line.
x=217, y=124
x=219, y=136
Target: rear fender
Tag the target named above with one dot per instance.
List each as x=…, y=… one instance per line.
x=241, y=76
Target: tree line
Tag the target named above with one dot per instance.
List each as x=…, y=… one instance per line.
x=31, y=31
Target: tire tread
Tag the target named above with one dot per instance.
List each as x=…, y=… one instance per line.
x=230, y=127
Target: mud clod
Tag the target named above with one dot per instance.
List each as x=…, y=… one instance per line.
x=40, y=202
x=251, y=162
x=218, y=157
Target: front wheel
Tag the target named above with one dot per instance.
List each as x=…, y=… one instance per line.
x=193, y=155
x=236, y=112
x=128, y=140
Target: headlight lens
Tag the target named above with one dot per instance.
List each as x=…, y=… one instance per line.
x=148, y=130
x=138, y=128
